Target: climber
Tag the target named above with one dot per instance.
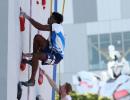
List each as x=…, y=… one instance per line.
x=49, y=52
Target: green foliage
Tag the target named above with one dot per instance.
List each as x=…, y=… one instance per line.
x=103, y=98
x=92, y=97
x=76, y=96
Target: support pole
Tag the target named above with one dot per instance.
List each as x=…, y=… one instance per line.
x=54, y=67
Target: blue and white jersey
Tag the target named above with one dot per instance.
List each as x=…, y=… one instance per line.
x=57, y=38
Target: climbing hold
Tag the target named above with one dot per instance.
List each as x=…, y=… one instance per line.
x=44, y=7
x=37, y=2
x=39, y=97
x=40, y=78
x=19, y=90
x=44, y=4
x=22, y=66
x=22, y=23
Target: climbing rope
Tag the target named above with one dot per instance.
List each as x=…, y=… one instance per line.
x=51, y=7
x=63, y=6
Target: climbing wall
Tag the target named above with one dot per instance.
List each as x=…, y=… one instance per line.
x=41, y=15
x=22, y=41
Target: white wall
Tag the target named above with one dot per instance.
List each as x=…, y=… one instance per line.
x=125, y=9
x=14, y=50
x=108, y=9
x=18, y=42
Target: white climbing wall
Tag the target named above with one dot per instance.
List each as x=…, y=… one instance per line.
x=18, y=42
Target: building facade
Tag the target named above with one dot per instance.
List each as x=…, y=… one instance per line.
x=96, y=24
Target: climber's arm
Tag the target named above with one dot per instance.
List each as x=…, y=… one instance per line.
x=36, y=24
